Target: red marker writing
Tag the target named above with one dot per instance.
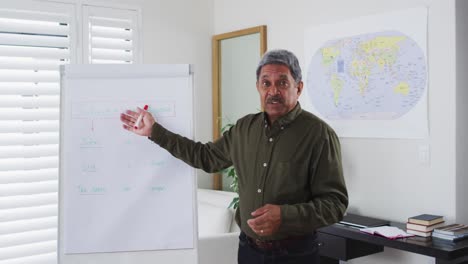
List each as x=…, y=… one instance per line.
x=140, y=117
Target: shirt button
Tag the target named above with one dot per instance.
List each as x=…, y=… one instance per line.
x=271, y=139
x=259, y=190
x=282, y=127
x=265, y=164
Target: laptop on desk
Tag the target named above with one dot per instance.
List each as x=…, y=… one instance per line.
x=360, y=221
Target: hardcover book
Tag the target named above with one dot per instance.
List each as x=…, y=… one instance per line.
x=362, y=221
x=453, y=229
x=453, y=238
x=426, y=219
x=424, y=228
x=419, y=233
x=423, y=241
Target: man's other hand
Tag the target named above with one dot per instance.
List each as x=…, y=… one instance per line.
x=266, y=220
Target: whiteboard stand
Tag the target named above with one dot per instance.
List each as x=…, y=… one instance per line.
x=122, y=198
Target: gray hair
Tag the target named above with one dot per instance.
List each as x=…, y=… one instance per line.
x=283, y=57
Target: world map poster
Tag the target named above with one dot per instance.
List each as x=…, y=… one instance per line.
x=367, y=77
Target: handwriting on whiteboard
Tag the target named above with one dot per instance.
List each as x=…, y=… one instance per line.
x=83, y=189
x=112, y=109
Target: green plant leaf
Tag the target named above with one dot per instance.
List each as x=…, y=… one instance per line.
x=232, y=173
x=226, y=127
x=234, y=203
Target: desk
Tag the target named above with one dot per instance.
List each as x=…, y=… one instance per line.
x=339, y=242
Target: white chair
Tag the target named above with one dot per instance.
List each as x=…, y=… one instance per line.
x=218, y=233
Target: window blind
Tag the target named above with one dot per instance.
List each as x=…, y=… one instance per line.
x=112, y=35
x=33, y=43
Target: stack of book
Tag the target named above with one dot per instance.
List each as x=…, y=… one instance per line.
x=423, y=225
x=453, y=232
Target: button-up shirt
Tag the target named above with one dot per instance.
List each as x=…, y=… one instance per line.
x=294, y=163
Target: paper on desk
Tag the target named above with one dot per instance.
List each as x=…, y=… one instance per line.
x=390, y=232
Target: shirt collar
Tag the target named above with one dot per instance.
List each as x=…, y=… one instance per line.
x=286, y=119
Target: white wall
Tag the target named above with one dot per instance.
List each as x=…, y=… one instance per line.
x=179, y=31
x=384, y=176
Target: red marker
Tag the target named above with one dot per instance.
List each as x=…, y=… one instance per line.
x=140, y=117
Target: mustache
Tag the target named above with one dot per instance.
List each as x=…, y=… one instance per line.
x=277, y=98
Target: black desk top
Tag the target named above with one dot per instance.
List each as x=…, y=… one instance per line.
x=430, y=246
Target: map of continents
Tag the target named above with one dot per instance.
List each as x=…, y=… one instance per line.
x=372, y=76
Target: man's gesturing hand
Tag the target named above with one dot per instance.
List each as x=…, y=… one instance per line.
x=129, y=118
x=266, y=220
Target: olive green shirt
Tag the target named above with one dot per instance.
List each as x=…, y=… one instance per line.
x=294, y=163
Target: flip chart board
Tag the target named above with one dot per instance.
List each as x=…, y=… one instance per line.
x=123, y=199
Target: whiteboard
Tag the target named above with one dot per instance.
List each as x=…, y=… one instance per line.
x=122, y=198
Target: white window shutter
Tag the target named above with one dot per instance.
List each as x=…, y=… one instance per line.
x=111, y=35
x=35, y=38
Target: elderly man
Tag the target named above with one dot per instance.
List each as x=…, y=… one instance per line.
x=288, y=162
